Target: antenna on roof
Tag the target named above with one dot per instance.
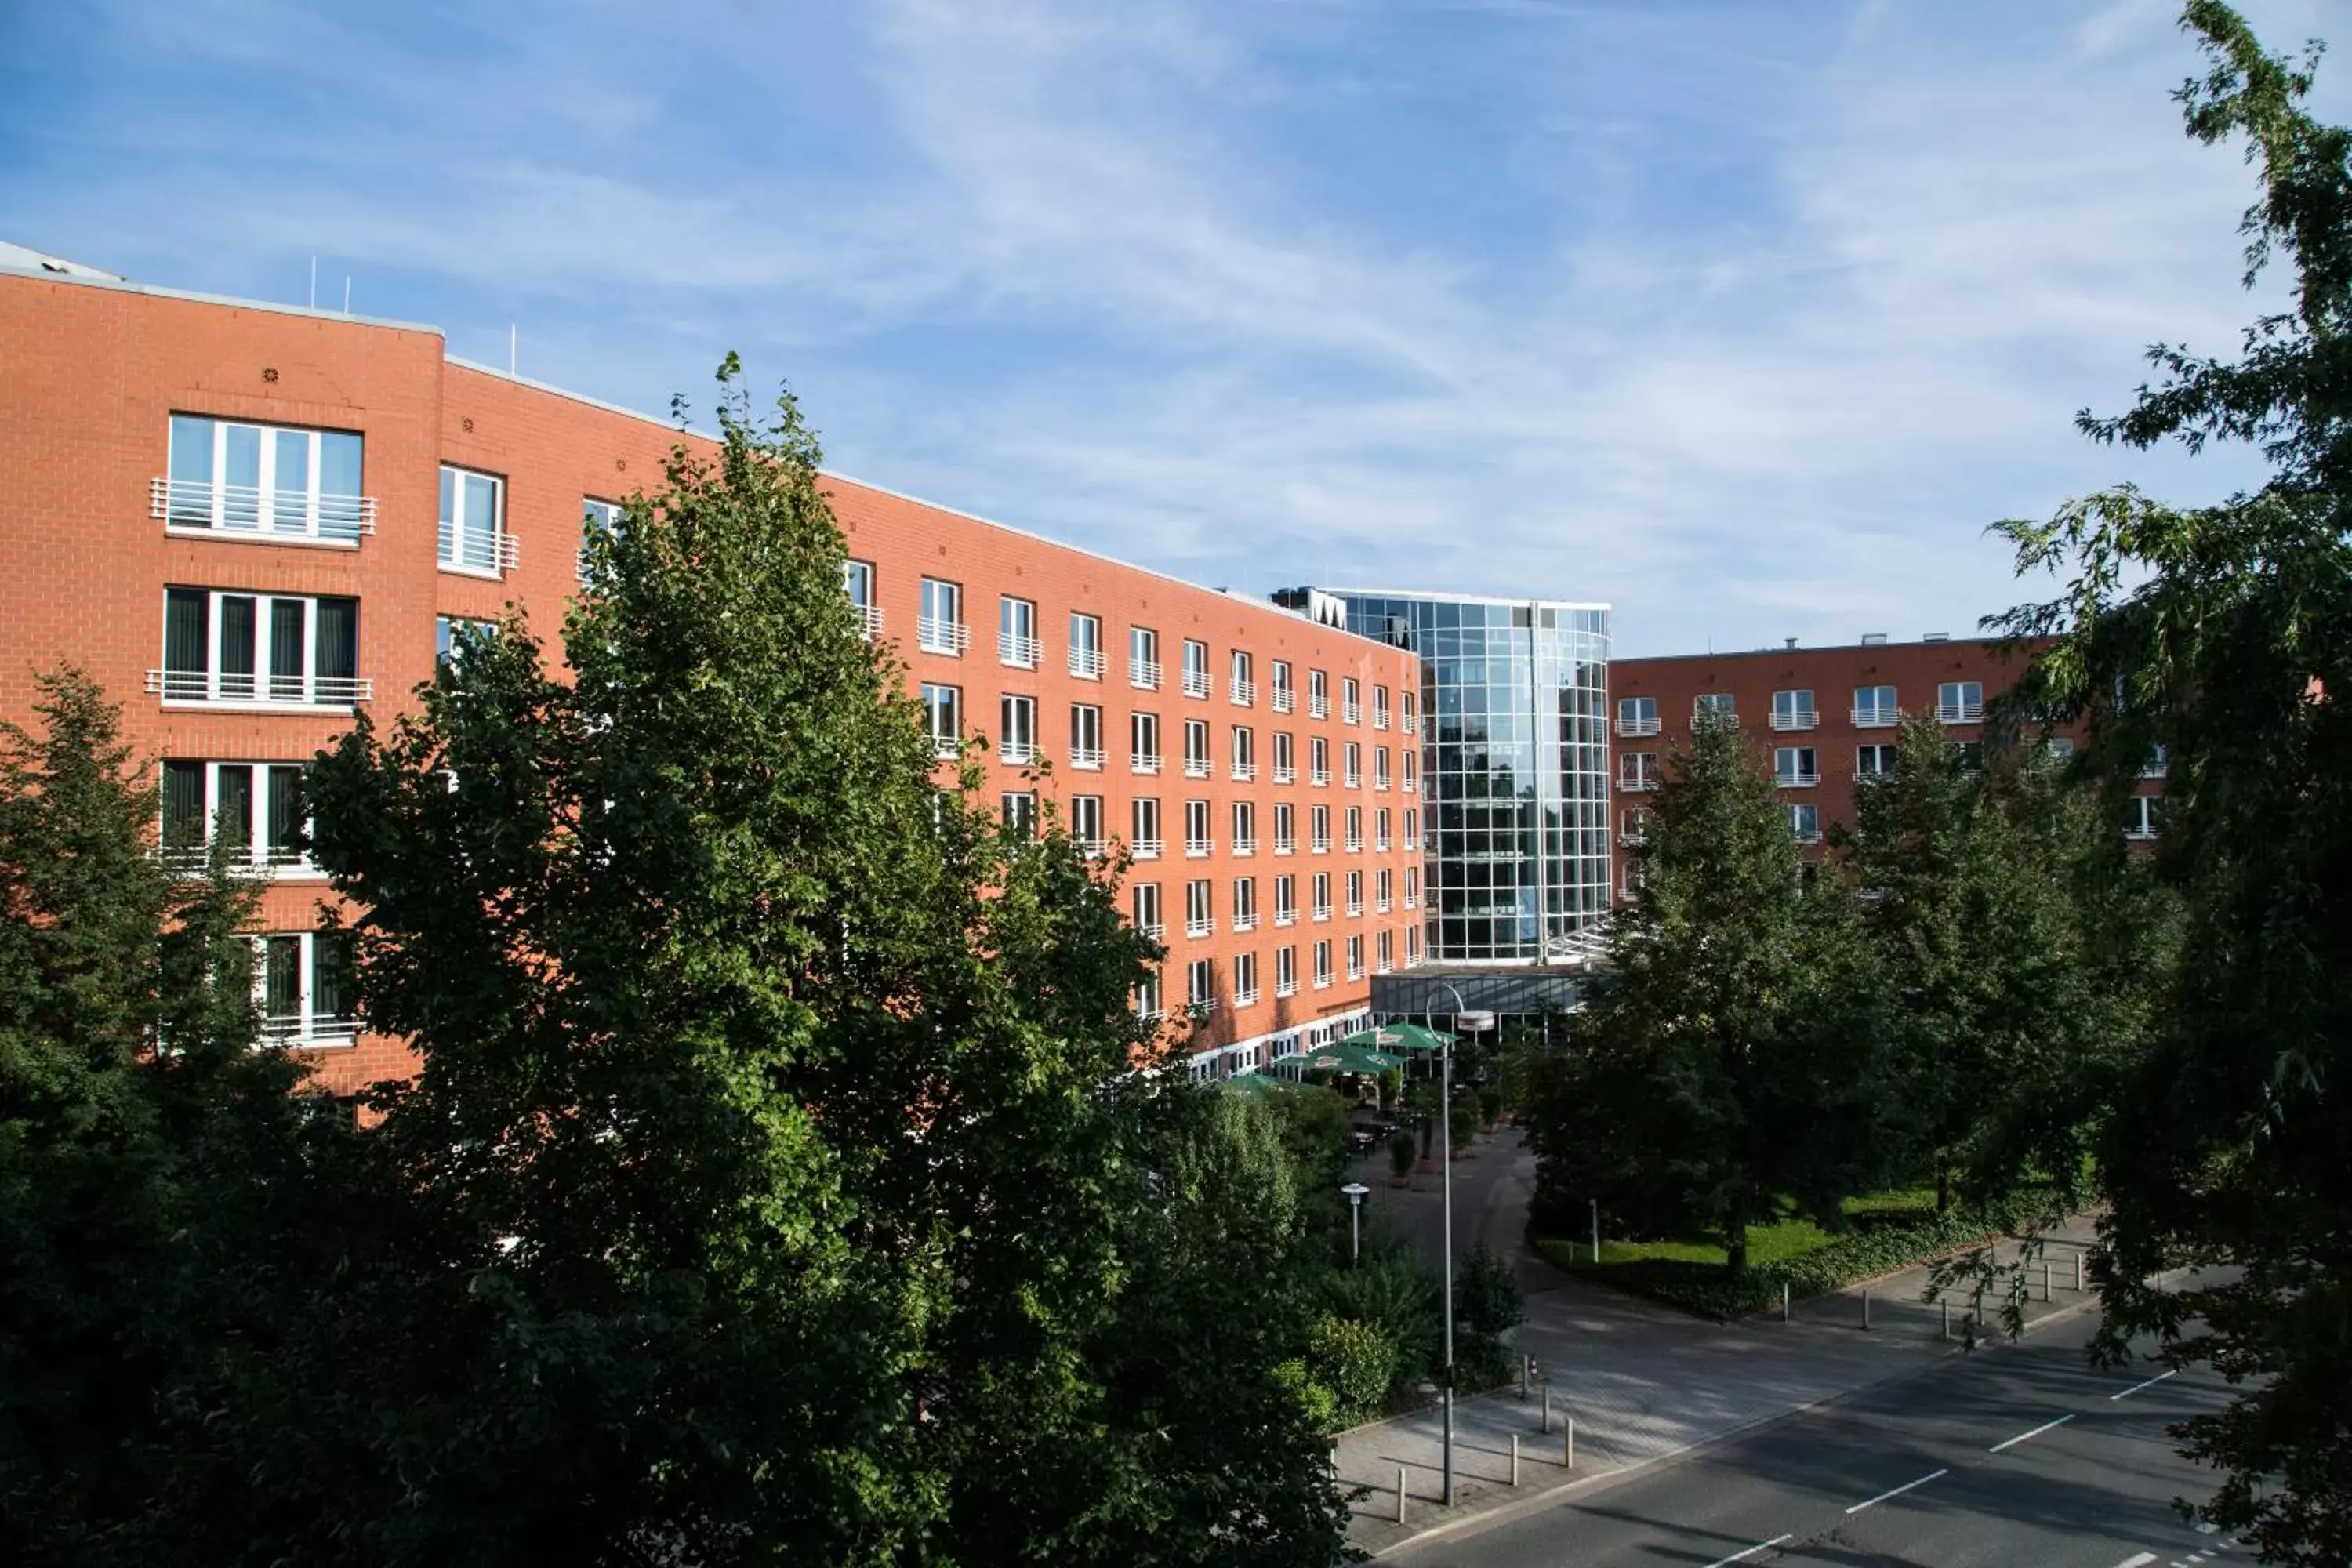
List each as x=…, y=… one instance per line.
x=347, y=293
x=314, y=283
x=510, y=347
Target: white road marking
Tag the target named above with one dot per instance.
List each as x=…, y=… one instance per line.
x=2022, y=1436
x=1743, y=1556
x=2151, y=1382
x=2137, y=1560
x=1898, y=1491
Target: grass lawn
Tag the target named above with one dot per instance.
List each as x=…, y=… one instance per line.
x=1767, y=1244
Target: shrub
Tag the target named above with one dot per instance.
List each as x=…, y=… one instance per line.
x=1354, y=1361
x=1490, y=1103
x=1398, y=1295
x=1485, y=1296
x=1400, y=1153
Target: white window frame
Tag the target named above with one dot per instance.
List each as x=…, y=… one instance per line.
x=942, y=700
x=305, y=1025
x=264, y=511
x=1085, y=646
x=1087, y=737
x=1286, y=900
x=1141, y=728
x=1143, y=813
x=1245, y=828
x=1143, y=658
x=1018, y=719
x=1200, y=907
x=1959, y=701
x=258, y=859
x=262, y=691
x=1196, y=668
x=1795, y=767
x=1882, y=711
x=1794, y=709
x=1637, y=716
x=463, y=548
x=1144, y=904
x=938, y=621
x=1017, y=646
x=1198, y=764
x=1200, y=829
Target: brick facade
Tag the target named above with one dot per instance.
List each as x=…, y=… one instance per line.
x=95, y=370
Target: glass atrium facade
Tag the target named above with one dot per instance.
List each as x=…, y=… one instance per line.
x=1514, y=767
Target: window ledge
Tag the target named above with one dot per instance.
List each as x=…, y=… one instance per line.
x=259, y=536
x=188, y=705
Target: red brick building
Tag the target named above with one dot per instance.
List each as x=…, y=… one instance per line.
x=1824, y=717
x=248, y=520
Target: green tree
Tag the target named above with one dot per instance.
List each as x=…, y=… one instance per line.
x=1734, y=1058
x=126, y=1034
x=2223, y=635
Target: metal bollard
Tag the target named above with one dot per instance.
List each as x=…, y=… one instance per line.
x=1784, y=1300
x=1399, y=1494
x=1567, y=1460
x=1947, y=1318
x=2078, y=1272
x=1547, y=1407
x=1514, y=1458
x=2045, y=1281
x=1865, y=1307
x=1523, y=1376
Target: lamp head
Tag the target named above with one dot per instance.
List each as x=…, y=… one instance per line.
x=1476, y=1022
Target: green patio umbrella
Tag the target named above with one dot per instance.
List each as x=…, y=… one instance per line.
x=1346, y=1056
x=1397, y=1038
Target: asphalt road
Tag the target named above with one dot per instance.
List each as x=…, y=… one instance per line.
x=2017, y=1454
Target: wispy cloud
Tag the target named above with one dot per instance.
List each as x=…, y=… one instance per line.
x=1747, y=322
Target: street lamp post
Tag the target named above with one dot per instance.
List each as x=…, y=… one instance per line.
x=1474, y=1021
x=1355, y=1191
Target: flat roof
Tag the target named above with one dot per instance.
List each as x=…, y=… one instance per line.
x=1817, y=647
x=28, y=263
x=1438, y=596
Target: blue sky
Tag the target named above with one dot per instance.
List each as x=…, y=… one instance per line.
x=1744, y=316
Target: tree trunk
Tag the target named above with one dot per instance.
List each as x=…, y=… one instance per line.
x=1735, y=1242
x=1943, y=1189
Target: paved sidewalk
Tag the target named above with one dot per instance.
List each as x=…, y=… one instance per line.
x=1643, y=1381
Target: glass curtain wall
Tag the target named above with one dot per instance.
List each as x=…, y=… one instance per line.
x=1514, y=761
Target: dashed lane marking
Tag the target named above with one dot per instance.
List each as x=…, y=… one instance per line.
x=1743, y=1556
x=1898, y=1491
x=2022, y=1436
x=2151, y=1382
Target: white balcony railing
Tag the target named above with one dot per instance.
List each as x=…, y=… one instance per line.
x=1246, y=921
x=1196, y=767
x=1636, y=782
x=1016, y=750
x=262, y=690
x=1874, y=718
x=1087, y=663
x=1355, y=779
x=1380, y=846
x=1637, y=726
x=1380, y=718
x=1283, y=775
x=1143, y=674
x=1086, y=758
x=1408, y=726
x=1017, y=651
x=294, y=1029
x=1960, y=712
x=1321, y=844
x=1143, y=763
x=934, y=635
x=1245, y=772
x=212, y=507
x=1285, y=988
x=947, y=748
x=1801, y=718
x=870, y=620
x=1318, y=707
x=1244, y=998
x=1283, y=698
x=1285, y=917
x=1803, y=837
x=256, y=860
x=1200, y=927
x=1355, y=844
x=1245, y=846
x=1243, y=693
x=1323, y=911
x=1197, y=849
x=1351, y=713
x=1147, y=849
x=1196, y=683
x=1155, y=929
x=1798, y=780
x=484, y=554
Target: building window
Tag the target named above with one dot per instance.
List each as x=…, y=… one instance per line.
x=1016, y=633
x=1413, y=944
x=1969, y=754
x=860, y=585
x=1196, y=748
x=1146, y=842
x=1380, y=830
x=1242, y=687
x=265, y=649
x=1961, y=701
x=1794, y=710
x=1245, y=828
x=1873, y=761
x=1720, y=703
x=265, y=480
x=1245, y=754
x=1637, y=715
x=1284, y=756
x=1387, y=951
x=1322, y=966
x=1352, y=701
x=1285, y=972
x=1086, y=737
x=939, y=626
x=1143, y=658
x=1379, y=767
x=1380, y=707
x=1196, y=669
x=254, y=810
x=1200, y=908
x=1286, y=900
x=1637, y=770
x=1200, y=987
x=303, y=984
x=1322, y=908
x=2144, y=815
x=1147, y=997
x=1198, y=839
x=473, y=534
x=1412, y=886
x=1085, y=646
x=2159, y=764
x=1805, y=823
x=1281, y=683
x=1245, y=904
x=1086, y=824
x=1412, y=775
x=453, y=633
x=1320, y=837
x=606, y=519
x=943, y=715
x=1318, y=695
x=1633, y=826
x=1353, y=755
x=1244, y=979
x=1019, y=809
x=1873, y=707
x=1383, y=887
x=1143, y=742
x=1408, y=714
x=1355, y=958
x=1319, y=760
x=1286, y=828
x=1411, y=827
x=1018, y=742
x=1146, y=896
x=1355, y=894
x=1793, y=767
x=1355, y=830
